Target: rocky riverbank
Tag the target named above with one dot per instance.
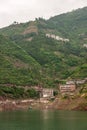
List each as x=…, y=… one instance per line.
x=79, y=103
x=8, y=104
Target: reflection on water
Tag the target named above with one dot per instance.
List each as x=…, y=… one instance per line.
x=43, y=120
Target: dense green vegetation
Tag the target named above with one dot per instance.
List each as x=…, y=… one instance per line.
x=28, y=57
x=17, y=92
x=16, y=66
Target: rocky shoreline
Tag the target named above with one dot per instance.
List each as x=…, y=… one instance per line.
x=79, y=103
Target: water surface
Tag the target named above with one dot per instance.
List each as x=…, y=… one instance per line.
x=43, y=120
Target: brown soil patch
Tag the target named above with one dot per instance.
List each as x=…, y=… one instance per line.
x=31, y=29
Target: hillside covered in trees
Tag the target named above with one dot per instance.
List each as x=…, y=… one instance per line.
x=35, y=53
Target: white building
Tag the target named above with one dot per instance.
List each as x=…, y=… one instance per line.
x=85, y=45
x=46, y=93
x=56, y=37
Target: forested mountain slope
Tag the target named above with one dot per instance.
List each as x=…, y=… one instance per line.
x=16, y=66
x=36, y=52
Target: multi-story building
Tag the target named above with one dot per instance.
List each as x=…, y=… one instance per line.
x=68, y=88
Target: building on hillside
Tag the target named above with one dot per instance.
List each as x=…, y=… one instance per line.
x=53, y=36
x=56, y=37
x=48, y=35
x=43, y=92
x=47, y=93
x=85, y=45
x=80, y=81
x=68, y=88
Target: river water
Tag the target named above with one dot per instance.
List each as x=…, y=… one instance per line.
x=43, y=120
